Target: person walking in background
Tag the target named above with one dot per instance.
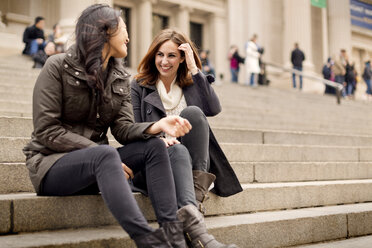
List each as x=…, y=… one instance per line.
x=33, y=37
x=339, y=69
x=367, y=75
x=235, y=61
x=350, y=79
x=169, y=82
x=252, y=61
x=77, y=97
x=297, y=57
x=328, y=74
x=207, y=67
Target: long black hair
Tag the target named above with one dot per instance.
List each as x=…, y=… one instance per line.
x=92, y=32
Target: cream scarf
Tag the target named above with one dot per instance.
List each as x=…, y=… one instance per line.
x=173, y=97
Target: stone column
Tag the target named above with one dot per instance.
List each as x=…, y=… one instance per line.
x=183, y=19
x=325, y=35
x=297, y=28
x=339, y=26
x=70, y=10
x=219, y=45
x=144, y=27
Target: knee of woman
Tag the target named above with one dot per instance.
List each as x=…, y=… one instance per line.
x=193, y=114
x=156, y=143
x=105, y=152
x=178, y=154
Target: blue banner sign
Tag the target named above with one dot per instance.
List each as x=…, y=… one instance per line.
x=361, y=14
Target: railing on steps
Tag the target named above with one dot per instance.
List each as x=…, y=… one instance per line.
x=338, y=87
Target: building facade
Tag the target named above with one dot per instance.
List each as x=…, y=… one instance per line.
x=216, y=24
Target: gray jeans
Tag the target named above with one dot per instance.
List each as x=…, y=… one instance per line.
x=191, y=154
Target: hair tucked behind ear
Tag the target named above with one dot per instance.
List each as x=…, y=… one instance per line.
x=91, y=34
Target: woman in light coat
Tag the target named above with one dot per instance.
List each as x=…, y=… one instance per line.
x=252, y=61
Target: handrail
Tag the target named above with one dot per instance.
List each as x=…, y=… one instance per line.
x=338, y=87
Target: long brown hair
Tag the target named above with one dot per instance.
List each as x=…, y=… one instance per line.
x=91, y=34
x=147, y=71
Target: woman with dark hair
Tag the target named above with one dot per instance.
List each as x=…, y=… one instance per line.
x=170, y=83
x=77, y=97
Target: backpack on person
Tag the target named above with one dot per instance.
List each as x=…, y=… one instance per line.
x=326, y=71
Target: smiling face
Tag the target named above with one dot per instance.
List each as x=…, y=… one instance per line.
x=167, y=60
x=119, y=40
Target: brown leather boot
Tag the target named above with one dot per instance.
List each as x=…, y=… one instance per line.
x=195, y=229
x=202, y=181
x=155, y=239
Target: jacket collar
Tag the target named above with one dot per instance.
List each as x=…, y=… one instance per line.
x=153, y=97
x=74, y=67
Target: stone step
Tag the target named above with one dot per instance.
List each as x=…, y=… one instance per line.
x=11, y=151
x=16, y=96
x=288, y=126
x=22, y=127
x=295, y=153
x=284, y=228
x=26, y=212
x=360, y=242
x=14, y=177
x=272, y=172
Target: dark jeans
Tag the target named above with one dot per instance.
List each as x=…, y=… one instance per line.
x=197, y=140
x=99, y=168
x=299, y=68
x=234, y=74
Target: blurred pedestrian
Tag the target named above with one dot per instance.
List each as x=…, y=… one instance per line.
x=297, y=57
x=252, y=61
x=339, y=69
x=33, y=37
x=207, y=67
x=328, y=74
x=235, y=61
x=367, y=75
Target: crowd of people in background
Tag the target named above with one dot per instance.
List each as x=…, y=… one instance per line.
x=339, y=69
x=342, y=71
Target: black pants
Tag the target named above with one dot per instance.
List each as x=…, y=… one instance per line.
x=197, y=140
x=95, y=169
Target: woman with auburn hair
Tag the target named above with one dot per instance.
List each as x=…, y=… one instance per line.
x=169, y=82
x=77, y=97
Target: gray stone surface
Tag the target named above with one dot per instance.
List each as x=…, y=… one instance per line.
x=277, y=196
x=14, y=178
x=303, y=138
x=46, y=213
x=15, y=127
x=82, y=211
x=360, y=223
x=310, y=171
x=290, y=153
x=5, y=216
x=264, y=230
x=11, y=149
x=360, y=242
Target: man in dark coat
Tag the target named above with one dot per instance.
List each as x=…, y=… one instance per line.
x=297, y=57
x=33, y=37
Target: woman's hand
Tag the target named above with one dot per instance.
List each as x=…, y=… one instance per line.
x=127, y=171
x=189, y=57
x=169, y=142
x=173, y=125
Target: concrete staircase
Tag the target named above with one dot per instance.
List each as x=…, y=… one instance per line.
x=304, y=162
